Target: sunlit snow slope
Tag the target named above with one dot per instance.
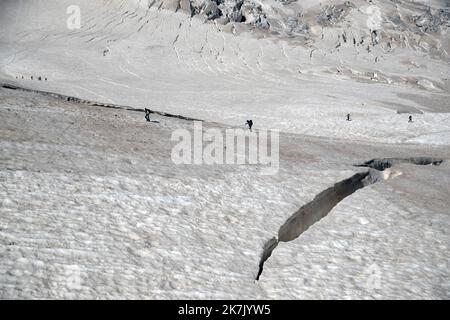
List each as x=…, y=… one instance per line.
x=303, y=72
x=91, y=205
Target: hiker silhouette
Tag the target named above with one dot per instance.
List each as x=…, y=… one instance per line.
x=250, y=124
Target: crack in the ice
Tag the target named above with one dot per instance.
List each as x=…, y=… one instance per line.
x=384, y=163
x=95, y=103
x=326, y=200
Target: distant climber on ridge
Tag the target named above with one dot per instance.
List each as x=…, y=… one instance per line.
x=147, y=114
x=250, y=124
x=348, y=117
x=410, y=119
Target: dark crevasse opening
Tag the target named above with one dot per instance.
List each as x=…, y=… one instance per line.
x=326, y=200
x=384, y=163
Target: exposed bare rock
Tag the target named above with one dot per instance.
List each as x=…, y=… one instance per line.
x=208, y=8
x=231, y=10
x=433, y=20
x=254, y=15
x=295, y=25
x=333, y=14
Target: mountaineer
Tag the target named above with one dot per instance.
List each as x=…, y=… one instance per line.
x=147, y=114
x=250, y=124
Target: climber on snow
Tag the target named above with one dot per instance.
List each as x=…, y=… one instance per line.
x=249, y=124
x=147, y=114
